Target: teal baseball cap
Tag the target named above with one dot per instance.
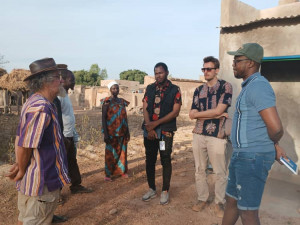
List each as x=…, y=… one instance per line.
x=252, y=51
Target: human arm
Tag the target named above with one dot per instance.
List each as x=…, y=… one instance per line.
x=274, y=128
x=219, y=111
x=151, y=133
x=104, y=122
x=280, y=153
x=23, y=156
x=170, y=116
x=215, y=113
x=273, y=123
x=15, y=167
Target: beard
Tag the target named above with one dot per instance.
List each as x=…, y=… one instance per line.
x=62, y=92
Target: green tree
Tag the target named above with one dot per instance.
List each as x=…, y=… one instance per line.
x=91, y=77
x=133, y=75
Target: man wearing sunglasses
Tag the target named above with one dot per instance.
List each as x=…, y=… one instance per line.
x=256, y=130
x=209, y=108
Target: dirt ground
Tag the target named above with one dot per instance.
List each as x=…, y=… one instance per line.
x=119, y=202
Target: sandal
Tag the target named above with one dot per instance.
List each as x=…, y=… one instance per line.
x=125, y=175
x=108, y=179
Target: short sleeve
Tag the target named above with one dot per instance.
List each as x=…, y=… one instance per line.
x=195, y=103
x=104, y=100
x=145, y=99
x=126, y=103
x=177, y=99
x=226, y=95
x=261, y=95
x=32, y=129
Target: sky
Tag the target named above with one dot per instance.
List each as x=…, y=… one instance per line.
x=116, y=34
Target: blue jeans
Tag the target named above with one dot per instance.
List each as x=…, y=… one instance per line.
x=248, y=172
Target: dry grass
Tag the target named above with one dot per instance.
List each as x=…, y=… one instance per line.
x=14, y=80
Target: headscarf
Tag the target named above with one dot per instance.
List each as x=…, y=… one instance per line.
x=111, y=84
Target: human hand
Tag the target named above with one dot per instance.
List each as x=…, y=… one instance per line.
x=280, y=153
x=13, y=171
x=19, y=175
x=127, y=137
x=224, y=115
x=106, y=140
x=152, y=135
x=67, y=142
x=151, y=125
x=192, y=114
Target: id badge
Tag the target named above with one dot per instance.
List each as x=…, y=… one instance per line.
x=162, y=146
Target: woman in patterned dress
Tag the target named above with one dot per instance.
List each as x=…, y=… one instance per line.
x=116, y=133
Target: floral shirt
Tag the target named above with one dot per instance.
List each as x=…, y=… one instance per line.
x=206, y=98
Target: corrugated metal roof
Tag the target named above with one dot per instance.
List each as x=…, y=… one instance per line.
x=261, y=20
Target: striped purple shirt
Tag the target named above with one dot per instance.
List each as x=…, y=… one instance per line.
x=39, y=129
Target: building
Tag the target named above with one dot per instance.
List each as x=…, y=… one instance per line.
x=277, y=30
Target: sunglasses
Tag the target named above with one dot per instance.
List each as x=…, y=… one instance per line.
x=235, y=61
x=208, y=69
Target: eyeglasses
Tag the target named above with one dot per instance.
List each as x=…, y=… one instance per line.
x=58, y=77
x=235, y=61
x=208, y=69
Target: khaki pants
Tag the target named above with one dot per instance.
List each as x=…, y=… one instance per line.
x=35, y=210
x=214, y=149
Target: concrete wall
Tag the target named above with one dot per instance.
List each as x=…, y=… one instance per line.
x=279, y=37
x=132, y=85
x=187, y=88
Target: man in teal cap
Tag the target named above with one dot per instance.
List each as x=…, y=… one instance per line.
x=256, y=130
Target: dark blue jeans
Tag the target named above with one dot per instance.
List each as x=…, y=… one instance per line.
x=152, y=147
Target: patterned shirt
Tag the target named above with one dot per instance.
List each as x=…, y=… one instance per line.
x=39, y=129
x=159, y=95
x=206, y=98
x=249, y=132
x=117, y=124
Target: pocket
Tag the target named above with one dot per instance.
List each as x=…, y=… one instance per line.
x=249, y=156
x=43, y=204
x=267, y=165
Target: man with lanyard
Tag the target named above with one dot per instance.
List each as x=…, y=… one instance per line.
x=210, y=104
x=41, y=162
x=256, y=130
x=161, y=105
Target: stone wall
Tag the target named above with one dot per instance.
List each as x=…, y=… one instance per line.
x=8, y=128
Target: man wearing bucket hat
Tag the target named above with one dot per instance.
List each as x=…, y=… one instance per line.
x=41, y=169
x=256, y=130
x=69, y=131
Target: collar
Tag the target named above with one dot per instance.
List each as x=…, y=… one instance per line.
x=249, y=79
x=215, y=87
x=165, y=84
